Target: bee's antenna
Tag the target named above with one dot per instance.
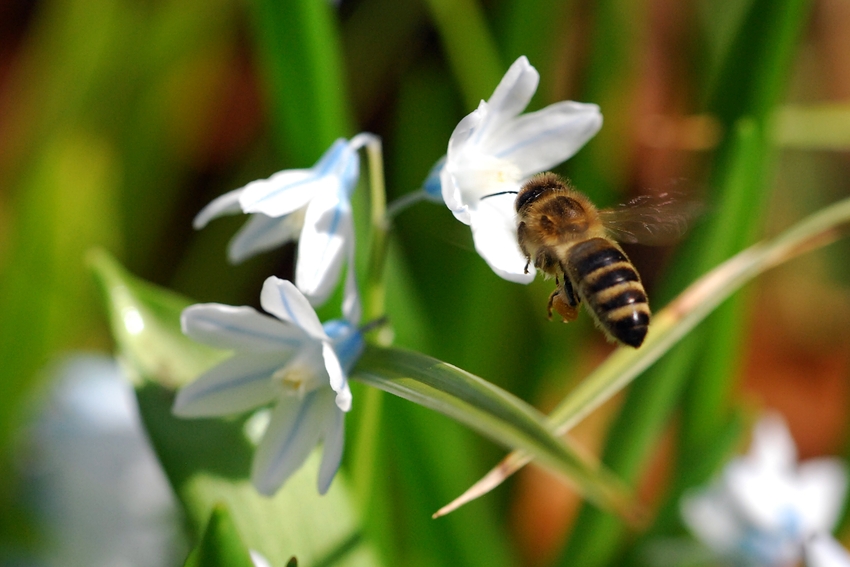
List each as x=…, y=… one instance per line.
x=499, y=193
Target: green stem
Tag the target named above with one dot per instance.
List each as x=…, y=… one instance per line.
x=366, y=442
x=375, y=286
x=404, y=202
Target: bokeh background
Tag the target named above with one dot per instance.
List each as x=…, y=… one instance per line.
x=120, y=119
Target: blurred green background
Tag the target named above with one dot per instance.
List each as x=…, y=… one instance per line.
x=120, y=119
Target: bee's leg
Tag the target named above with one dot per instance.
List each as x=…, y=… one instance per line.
x=564, y=300
x=572, y=298
x=561, y=307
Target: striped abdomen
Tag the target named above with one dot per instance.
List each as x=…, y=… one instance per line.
x=611, y=288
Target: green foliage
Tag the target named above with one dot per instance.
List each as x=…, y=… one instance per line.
x=220, y=546
x=126, y=116
x=207, y=461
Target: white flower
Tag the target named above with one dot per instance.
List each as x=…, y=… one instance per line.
x=823, y=551
x=494, y=150
x=765, y=506
x=309, y=205
x=291, y=360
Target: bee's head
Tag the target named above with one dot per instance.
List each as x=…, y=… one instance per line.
x=537, y=186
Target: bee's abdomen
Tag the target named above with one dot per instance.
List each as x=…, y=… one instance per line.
x=611, y=287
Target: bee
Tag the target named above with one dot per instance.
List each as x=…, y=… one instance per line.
x=564, y=235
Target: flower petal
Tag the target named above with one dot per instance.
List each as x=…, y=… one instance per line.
x=772, y=447
x=510, y=98
x=227, y=204
x=236, y=385
x=288, y=190
x=453, y=197
x=336, y=377
x=761, y=496
x=327, y=232
x=295, y=428
x=337, y=159
x=283, y=192
x=822, y=550
x=334, y=441
x=283, y=300
x=240, y=328
x=494, y=234
x=822, y=484
x=541, y=140
x=710, y=516
x=262, y=233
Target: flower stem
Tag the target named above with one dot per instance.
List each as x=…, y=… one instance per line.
x=366, y=441
x=404, y=202
x=375, y=287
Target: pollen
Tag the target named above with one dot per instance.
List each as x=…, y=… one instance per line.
x=296, y=379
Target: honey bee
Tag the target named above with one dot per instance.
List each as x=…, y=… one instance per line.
x=564, y=235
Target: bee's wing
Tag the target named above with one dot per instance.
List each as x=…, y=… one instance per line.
x=654, y=220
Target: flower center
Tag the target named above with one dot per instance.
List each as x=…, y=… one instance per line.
x=481, y=174
x=297, y=378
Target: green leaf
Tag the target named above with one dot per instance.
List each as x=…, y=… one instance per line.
x=145, y=322
x=220, y=545
x=207, y=461
x=492, y=412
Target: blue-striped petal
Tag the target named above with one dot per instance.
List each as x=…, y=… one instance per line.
x=332, y=446
x=284, y=192
x=239, y=328
x=262, y=233
x=283, y=300
x=238, y=384
x=541, y=140
x=227, y=204
x=294, y=430
x=511, y=96
x=322, y=248
x=336, y=377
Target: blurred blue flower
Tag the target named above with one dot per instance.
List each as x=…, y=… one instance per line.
x=494, y=150
x=765, y=507
x=290, y=360
x=92, y=478
x=309, y=205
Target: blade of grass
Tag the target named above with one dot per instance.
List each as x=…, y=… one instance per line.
x=748, y=88
x=298, y=46
x=492, y=412
x=673, y=322
x=612, y=73
x=469, y=46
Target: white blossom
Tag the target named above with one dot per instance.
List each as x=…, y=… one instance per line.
x=290, y=360
x=311, y=206
x=765, y=506
x=495, y=149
